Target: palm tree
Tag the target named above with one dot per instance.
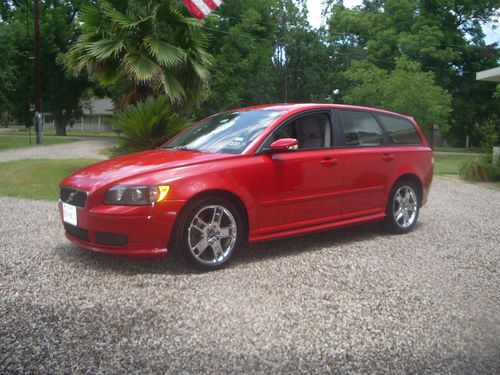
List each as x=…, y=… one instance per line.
x=152, y=45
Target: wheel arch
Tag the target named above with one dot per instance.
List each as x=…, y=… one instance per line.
x=225, y=194
x=414, y=179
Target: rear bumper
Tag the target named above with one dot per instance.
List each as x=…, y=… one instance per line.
x=144, y=231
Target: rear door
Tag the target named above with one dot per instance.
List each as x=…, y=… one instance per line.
x=369, y=163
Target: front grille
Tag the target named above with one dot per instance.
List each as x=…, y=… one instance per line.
x=111, y=239
x=73, y=196
x=80, y=233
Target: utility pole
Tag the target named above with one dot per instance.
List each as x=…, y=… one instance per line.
x=28, y=53
x=38, y=111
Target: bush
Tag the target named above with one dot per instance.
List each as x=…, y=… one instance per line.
x=146, y=125
x=479, y=169
x=489, y=135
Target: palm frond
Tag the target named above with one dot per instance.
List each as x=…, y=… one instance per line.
x=115, y=15
x=105, y=48
x=91, y=17
x=174, y=89
x=201, y=71
x=141, y=67
x=166, y=54
x=107, y=72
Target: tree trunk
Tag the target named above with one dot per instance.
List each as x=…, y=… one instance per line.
x=60, y=125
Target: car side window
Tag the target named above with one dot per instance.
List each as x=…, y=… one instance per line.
x=311, y=131
x=400, y=131
x=361, y=129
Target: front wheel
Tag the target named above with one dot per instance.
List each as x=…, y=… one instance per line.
x=402, y=208
x=208, y=232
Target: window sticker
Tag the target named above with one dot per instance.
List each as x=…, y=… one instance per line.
x=236, y=142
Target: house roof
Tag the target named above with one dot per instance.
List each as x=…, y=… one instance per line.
x=98, y=106
x=489, y=75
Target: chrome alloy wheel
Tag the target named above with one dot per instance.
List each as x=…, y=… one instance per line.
x=405, y=206
x=212, y=234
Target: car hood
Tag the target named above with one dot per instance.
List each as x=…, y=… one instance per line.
x=124, y=167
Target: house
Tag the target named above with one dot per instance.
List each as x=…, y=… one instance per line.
x=492, y=75
x=95, y=117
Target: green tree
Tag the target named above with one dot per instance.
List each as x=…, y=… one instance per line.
x=152, y=47
x=60, y=92
x=242, y=45
x=444, y=36
x=302, y=58
x=265, y=51
x=406, y=89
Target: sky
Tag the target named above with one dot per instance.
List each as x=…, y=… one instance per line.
x=314, y=7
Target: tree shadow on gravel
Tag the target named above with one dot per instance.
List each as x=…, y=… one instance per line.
x=250, y=253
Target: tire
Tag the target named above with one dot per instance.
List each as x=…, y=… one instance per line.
x=403, y=208
x=208, y=232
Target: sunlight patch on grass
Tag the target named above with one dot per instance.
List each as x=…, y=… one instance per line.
x=449, y=164
x=12, y=141
x=37, y=179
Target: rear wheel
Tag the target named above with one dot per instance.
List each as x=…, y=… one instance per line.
x=208, y=232
x=402, y=208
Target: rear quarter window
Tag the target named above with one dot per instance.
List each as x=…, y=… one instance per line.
x=361, y=129
x=400, y=131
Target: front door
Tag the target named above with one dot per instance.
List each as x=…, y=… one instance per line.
x=303, y=187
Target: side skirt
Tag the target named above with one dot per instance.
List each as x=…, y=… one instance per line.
x=316, y=228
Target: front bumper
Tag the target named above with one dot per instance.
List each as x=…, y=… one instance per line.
x=144, y=231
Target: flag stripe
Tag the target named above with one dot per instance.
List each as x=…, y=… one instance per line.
x=211, y=4
x=193, y=9
x=200, y=4
x=201, y=8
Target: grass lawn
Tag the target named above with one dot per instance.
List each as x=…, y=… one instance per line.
x=9, y=141
x=473, y=150
x=449, y=164
x=17, y=130
x=37, y=179
x=80, y=133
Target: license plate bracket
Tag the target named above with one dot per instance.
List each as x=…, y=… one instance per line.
x=70, y=215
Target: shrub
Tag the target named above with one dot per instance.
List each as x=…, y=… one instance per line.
x=479, y=169
x=146, y=125
x=489, y=134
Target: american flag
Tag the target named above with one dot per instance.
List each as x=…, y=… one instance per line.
x=201, y=8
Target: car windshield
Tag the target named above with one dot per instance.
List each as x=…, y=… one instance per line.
x=229, y=132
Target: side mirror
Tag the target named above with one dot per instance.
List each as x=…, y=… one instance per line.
x=284, y=144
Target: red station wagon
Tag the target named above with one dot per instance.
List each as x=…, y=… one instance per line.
x=250, y=175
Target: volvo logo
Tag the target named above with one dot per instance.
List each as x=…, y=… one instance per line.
x=71, y=196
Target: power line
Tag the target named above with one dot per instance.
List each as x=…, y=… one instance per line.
x=351, y=54
x=376, y=37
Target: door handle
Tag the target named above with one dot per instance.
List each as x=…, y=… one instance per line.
x=328, y=162
x=387, y=157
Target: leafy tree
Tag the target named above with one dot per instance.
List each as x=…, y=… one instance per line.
x=265, y=51
x=405, y=89
x=242, y=45
x=303, y=58
x=153, y=46
x=444, y=36
x=60, y=92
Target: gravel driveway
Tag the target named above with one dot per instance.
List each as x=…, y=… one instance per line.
x=353, y=300
x=77, y=150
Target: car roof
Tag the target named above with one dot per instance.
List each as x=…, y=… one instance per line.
x=294, y=107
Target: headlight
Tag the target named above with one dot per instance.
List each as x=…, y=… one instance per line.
x=125, y=195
